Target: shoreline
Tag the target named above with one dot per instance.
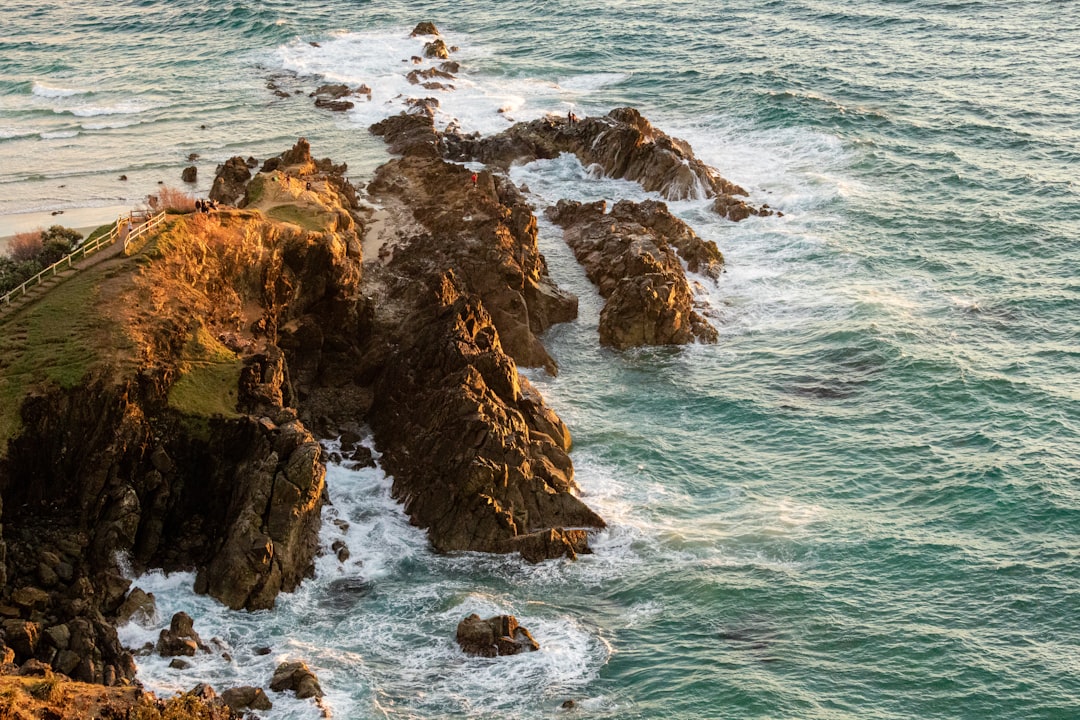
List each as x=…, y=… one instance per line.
x=85, y=220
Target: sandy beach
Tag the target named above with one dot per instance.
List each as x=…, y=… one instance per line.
x=84, y=220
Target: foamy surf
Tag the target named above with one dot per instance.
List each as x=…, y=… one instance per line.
x=43, y=90
x=380, y=624
x=479, y=101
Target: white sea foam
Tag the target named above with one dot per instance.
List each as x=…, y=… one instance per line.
x=59, y=134
x=114, y=125
x=378, y=626
x=123, y=107
x=50, y=91
x=382, y=60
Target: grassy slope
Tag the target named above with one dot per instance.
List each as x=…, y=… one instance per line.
x=54, y=341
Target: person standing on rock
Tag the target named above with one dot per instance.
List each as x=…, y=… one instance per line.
x=475, y=177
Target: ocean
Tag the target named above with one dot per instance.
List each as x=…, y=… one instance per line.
x=862, y=503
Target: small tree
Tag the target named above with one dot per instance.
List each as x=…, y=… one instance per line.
x=57, y=242
x=25, y=246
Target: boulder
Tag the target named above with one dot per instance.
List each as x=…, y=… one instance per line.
x=298, y=678
x=246, y=698
x=139, y=606
x=190, y=174
x=180, y=638
x=436, y=49
x=424, y=28
x=499, y=635
x=22, y=636
x=332, y=91
x=230, y=181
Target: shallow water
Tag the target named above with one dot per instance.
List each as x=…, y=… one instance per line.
x=861, y=503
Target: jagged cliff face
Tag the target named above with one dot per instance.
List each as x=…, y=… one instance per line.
x=184, y=450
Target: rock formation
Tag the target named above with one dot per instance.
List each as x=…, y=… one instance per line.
x=183, y=451
x=180, y=638
x=629, y=254
x=296, y=677
x=229, y=181
x=623, y=143
x=477, y=458
x=246, y=697
x=499, y=635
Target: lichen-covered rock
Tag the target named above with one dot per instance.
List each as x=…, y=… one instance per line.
x=499, y=635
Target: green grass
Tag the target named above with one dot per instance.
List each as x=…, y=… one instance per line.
x=53, y=341
x=256, y=189
x=209, y=379
x=103, y=230
x=313, y=220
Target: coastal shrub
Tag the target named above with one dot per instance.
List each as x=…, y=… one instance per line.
x=170, y=199
x=25, y=246
x=13, y=274
x=30, y=252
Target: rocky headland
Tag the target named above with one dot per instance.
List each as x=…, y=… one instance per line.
x=165, y=410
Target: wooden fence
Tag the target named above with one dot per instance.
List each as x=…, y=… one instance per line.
x=129, y=227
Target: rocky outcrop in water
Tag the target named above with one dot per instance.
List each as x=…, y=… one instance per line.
x=499, y=635
x=629, y=254
x=461, y=294
x=297, y=678
x=622, y=143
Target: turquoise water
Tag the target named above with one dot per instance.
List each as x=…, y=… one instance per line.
x=862, y=503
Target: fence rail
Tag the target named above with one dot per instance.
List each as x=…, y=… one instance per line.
x=130, y=226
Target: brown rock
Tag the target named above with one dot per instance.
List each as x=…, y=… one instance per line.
x=630, y=256
x=30, y=599
x=622, y=143
x=424, y=28
x=332, y=91
x=22, y=636
x=231, y=180
x=436, y=49
x=334, y=105
x=180, y=638
x=138, y=606
x=35, y=668
x=499, y=635
x=190, y=174
x=297, y=678
x=246, y=698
